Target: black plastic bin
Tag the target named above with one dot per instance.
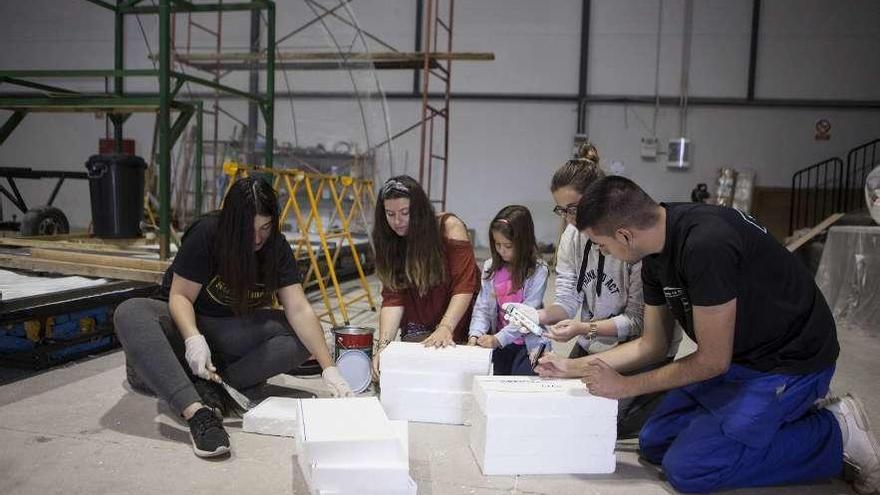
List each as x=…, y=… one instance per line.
x=116, y=187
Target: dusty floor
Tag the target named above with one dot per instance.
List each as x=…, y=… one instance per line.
x=79, y=429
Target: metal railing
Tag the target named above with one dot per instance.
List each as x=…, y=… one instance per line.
x=831, y=186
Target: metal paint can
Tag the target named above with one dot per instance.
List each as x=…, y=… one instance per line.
x=352, y=337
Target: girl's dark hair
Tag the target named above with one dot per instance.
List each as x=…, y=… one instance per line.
x=579, y=172
x=417, y=260
x=238, y=265
x=515, y=223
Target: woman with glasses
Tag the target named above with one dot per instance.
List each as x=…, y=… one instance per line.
x=426, y=264
x=607, y=291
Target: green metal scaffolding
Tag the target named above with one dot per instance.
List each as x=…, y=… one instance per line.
x=119, y=104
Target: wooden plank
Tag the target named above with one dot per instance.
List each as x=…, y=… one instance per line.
x=100, y=259
x=77, y=246
x=818, y=229
x=68, y=268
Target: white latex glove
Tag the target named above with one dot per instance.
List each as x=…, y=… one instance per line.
x=337, y=385
x=526, y=311
x=198, y=356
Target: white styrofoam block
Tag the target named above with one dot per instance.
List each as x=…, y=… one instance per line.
x=391, y=379
x=409, y=489
x=516, y=465
x=415, y=356
x=543, y=456
x=273, y=416
x=401, y=430
x=455, y=416
x=531, y=438
x=554, y=426
x=345, y=431
x=535, y=396
x=430, y=406
x=358, y=479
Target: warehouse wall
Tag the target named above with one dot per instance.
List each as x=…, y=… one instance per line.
x=505, y=151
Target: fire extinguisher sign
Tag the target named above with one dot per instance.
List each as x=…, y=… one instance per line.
x=823, y=130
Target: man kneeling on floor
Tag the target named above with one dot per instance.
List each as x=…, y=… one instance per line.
x=748, y=408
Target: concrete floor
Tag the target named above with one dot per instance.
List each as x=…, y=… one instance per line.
x=78, y=428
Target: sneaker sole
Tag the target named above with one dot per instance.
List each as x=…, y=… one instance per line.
x=864, y=423
x=861, y=419
x=223, y=449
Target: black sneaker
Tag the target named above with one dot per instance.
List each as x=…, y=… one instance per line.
x=207, y=433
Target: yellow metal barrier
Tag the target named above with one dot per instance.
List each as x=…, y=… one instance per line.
x=309, y=223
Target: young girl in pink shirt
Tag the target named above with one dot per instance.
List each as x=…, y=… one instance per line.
x=514, y=274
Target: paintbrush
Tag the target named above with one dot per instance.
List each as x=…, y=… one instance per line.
x=239, y=398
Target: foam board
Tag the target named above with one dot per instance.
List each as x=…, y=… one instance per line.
x=554, y=426
x=410, y=489
x=344, y=478
x=431, y=406
x=451, y=416
x=345, y=431
x=530, y=438
x=392, y=378
x=273, y=416
x=415, y=356
x=535, y=396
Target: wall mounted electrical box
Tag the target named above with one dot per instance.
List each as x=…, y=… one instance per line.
x=679, y=154
x=649, y=147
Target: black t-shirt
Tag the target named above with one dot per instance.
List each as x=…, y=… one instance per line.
x=196, y=261
x=714, y=254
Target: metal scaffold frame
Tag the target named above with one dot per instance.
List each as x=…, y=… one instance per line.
x=431, y=62
x=308, y=222
x=119, y=104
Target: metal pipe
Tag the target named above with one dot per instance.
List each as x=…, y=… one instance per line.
x=199, y=156
x=418, y=45
x=583, y=68
x=269, y=102
x=753, y=48
x=118, y=81
x=648, y=100
x=254, y=88
x=164, y=160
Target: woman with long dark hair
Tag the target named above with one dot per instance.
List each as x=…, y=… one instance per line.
x=426, y=264
x=217, y=324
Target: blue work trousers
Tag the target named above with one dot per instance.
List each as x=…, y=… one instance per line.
x=744, y=428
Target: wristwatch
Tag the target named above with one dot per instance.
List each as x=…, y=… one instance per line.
x=593, y=332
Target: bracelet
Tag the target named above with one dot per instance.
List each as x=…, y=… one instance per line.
x=593, y=332
x=382, y=344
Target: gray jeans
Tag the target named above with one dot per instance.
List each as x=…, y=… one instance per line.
x=246, y=350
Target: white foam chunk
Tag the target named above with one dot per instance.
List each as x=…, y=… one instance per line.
x=428, y=406
x=273, y=416
x=530, y=437
x=391, y=379
x=529, y=425
x=409, y=489
x=535, y=396
x=408, y=356
x=346, y=431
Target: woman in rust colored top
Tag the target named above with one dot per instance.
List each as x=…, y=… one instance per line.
x=427, y=267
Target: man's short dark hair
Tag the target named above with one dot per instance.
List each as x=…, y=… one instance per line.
x=615, y=202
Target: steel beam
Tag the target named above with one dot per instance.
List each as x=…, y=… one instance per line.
x=164, y=159
x=10, y=125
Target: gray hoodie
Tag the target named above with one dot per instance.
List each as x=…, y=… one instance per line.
x=621, y=293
